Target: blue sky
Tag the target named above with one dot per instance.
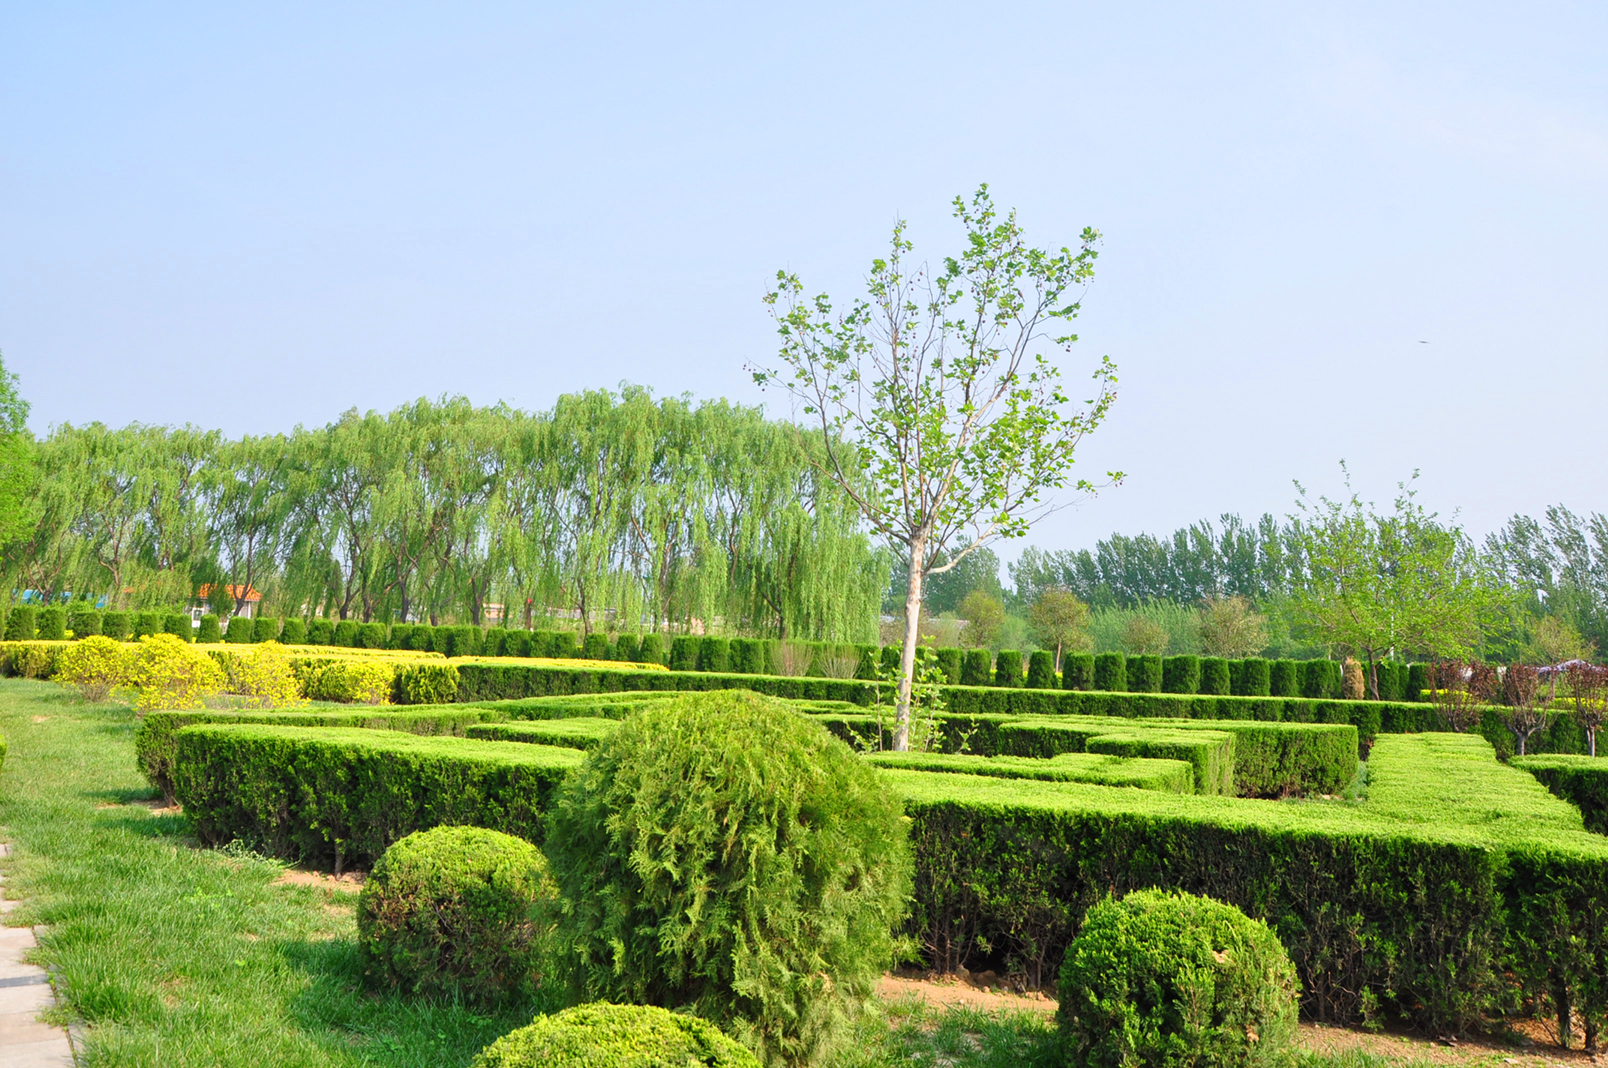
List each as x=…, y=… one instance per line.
x=257, y=218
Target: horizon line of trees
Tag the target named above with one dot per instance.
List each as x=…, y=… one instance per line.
x=617, y=511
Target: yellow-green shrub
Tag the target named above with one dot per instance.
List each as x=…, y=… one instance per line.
x=265, y=678
x=94, y=667
x=168, y=672
x=30, y=659
x=363, y=681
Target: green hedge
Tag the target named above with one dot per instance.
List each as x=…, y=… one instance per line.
x=238, y=631
x=1215, y=678
x=1008, y=668
x=1041, y=670
x=209, y=633
x=1180, y=674
x=1284, y=678
x=1144, y=674
x=1171, y=776
x=83, y=620
x=581, y=732
x=265, y=629
x=975, y=669
x=339, y=797
x=497, y=682
x=113, y=625
x=1110, y=672
x=1580, y=780
x=1255, y=679
x=1077, y=671
x=52, y=625
x=22, y=624
x=1420, y=918
x=154, y=746
x=320, y=632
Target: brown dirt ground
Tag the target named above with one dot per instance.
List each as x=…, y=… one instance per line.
x=346, y=880
x=1532, y=1046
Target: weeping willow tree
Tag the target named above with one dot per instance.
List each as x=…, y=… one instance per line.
x=614, y=510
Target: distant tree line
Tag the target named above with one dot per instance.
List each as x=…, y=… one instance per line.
x=611, y=510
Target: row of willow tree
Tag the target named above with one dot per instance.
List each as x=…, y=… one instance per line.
x=622, y=511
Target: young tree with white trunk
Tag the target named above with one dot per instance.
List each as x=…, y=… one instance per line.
x=942, y=417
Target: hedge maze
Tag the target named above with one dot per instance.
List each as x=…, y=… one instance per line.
x=1439, y=886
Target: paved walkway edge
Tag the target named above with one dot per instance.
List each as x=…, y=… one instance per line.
x=26, y=990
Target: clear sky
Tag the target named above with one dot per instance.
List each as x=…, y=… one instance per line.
x=1365, y=231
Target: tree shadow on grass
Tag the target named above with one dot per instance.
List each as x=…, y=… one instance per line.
x=389, y=1028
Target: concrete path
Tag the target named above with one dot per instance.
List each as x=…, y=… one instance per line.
x=24, y=993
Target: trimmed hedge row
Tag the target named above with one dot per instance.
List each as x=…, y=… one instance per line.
x=339, y=796
x=154, y=745
x=501, y=682
x=1380, y=914
x=1580, y=780
x=581, y=732
x=1170, y=776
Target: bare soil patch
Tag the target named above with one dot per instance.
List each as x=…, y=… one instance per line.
x=350, y=881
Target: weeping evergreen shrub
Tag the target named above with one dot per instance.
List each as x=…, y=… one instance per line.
x=949, y=660
x=1110, y=672
x=1214, y=676
x=595, y=647
x=1077, y=671
x=239, y=631
x=1256, y=677
x=1180, y=674
x=52, y=624
x=975, y=669
x=714, y=654
x=265, y=629
x=345, y=634
x=1284, y=678
x=781, y=940
x=114, y=625
x=210, y=633
x=652, y=650
x=1041, y=670
x=684, y=653
x=1171, y=979
x=1008, y=668
x=1144, y=674
x=455, y=912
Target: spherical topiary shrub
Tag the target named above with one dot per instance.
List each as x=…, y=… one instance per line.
x=601, y=1035
x=453, y=911
x=1172, y=979
x=722, y=853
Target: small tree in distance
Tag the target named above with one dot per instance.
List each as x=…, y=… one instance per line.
x=1143, y=636
x=1058, y=618
x=1524, y=713
x=941, y=417
x=984, y=615
x=1230, y=627
x=1588, y=685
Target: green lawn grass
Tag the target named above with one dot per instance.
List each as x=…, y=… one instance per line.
x=179, y=956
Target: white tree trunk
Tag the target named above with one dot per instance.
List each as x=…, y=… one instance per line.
x=907, y=657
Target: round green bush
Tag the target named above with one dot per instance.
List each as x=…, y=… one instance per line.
x=454, y=911
x=294, y=632
x=601, y=1035
x=52, y=625
x=725, y=854
x=1170, y=979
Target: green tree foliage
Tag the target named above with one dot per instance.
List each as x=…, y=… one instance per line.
x=765, y=899
x=1377, y=583
x=940, y=415
x=18, y=469
x=1231, y=627
x=984, y=615
x=1060, y=621
x=656, y=512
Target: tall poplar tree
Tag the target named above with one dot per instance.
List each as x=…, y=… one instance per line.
x=939, y=413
